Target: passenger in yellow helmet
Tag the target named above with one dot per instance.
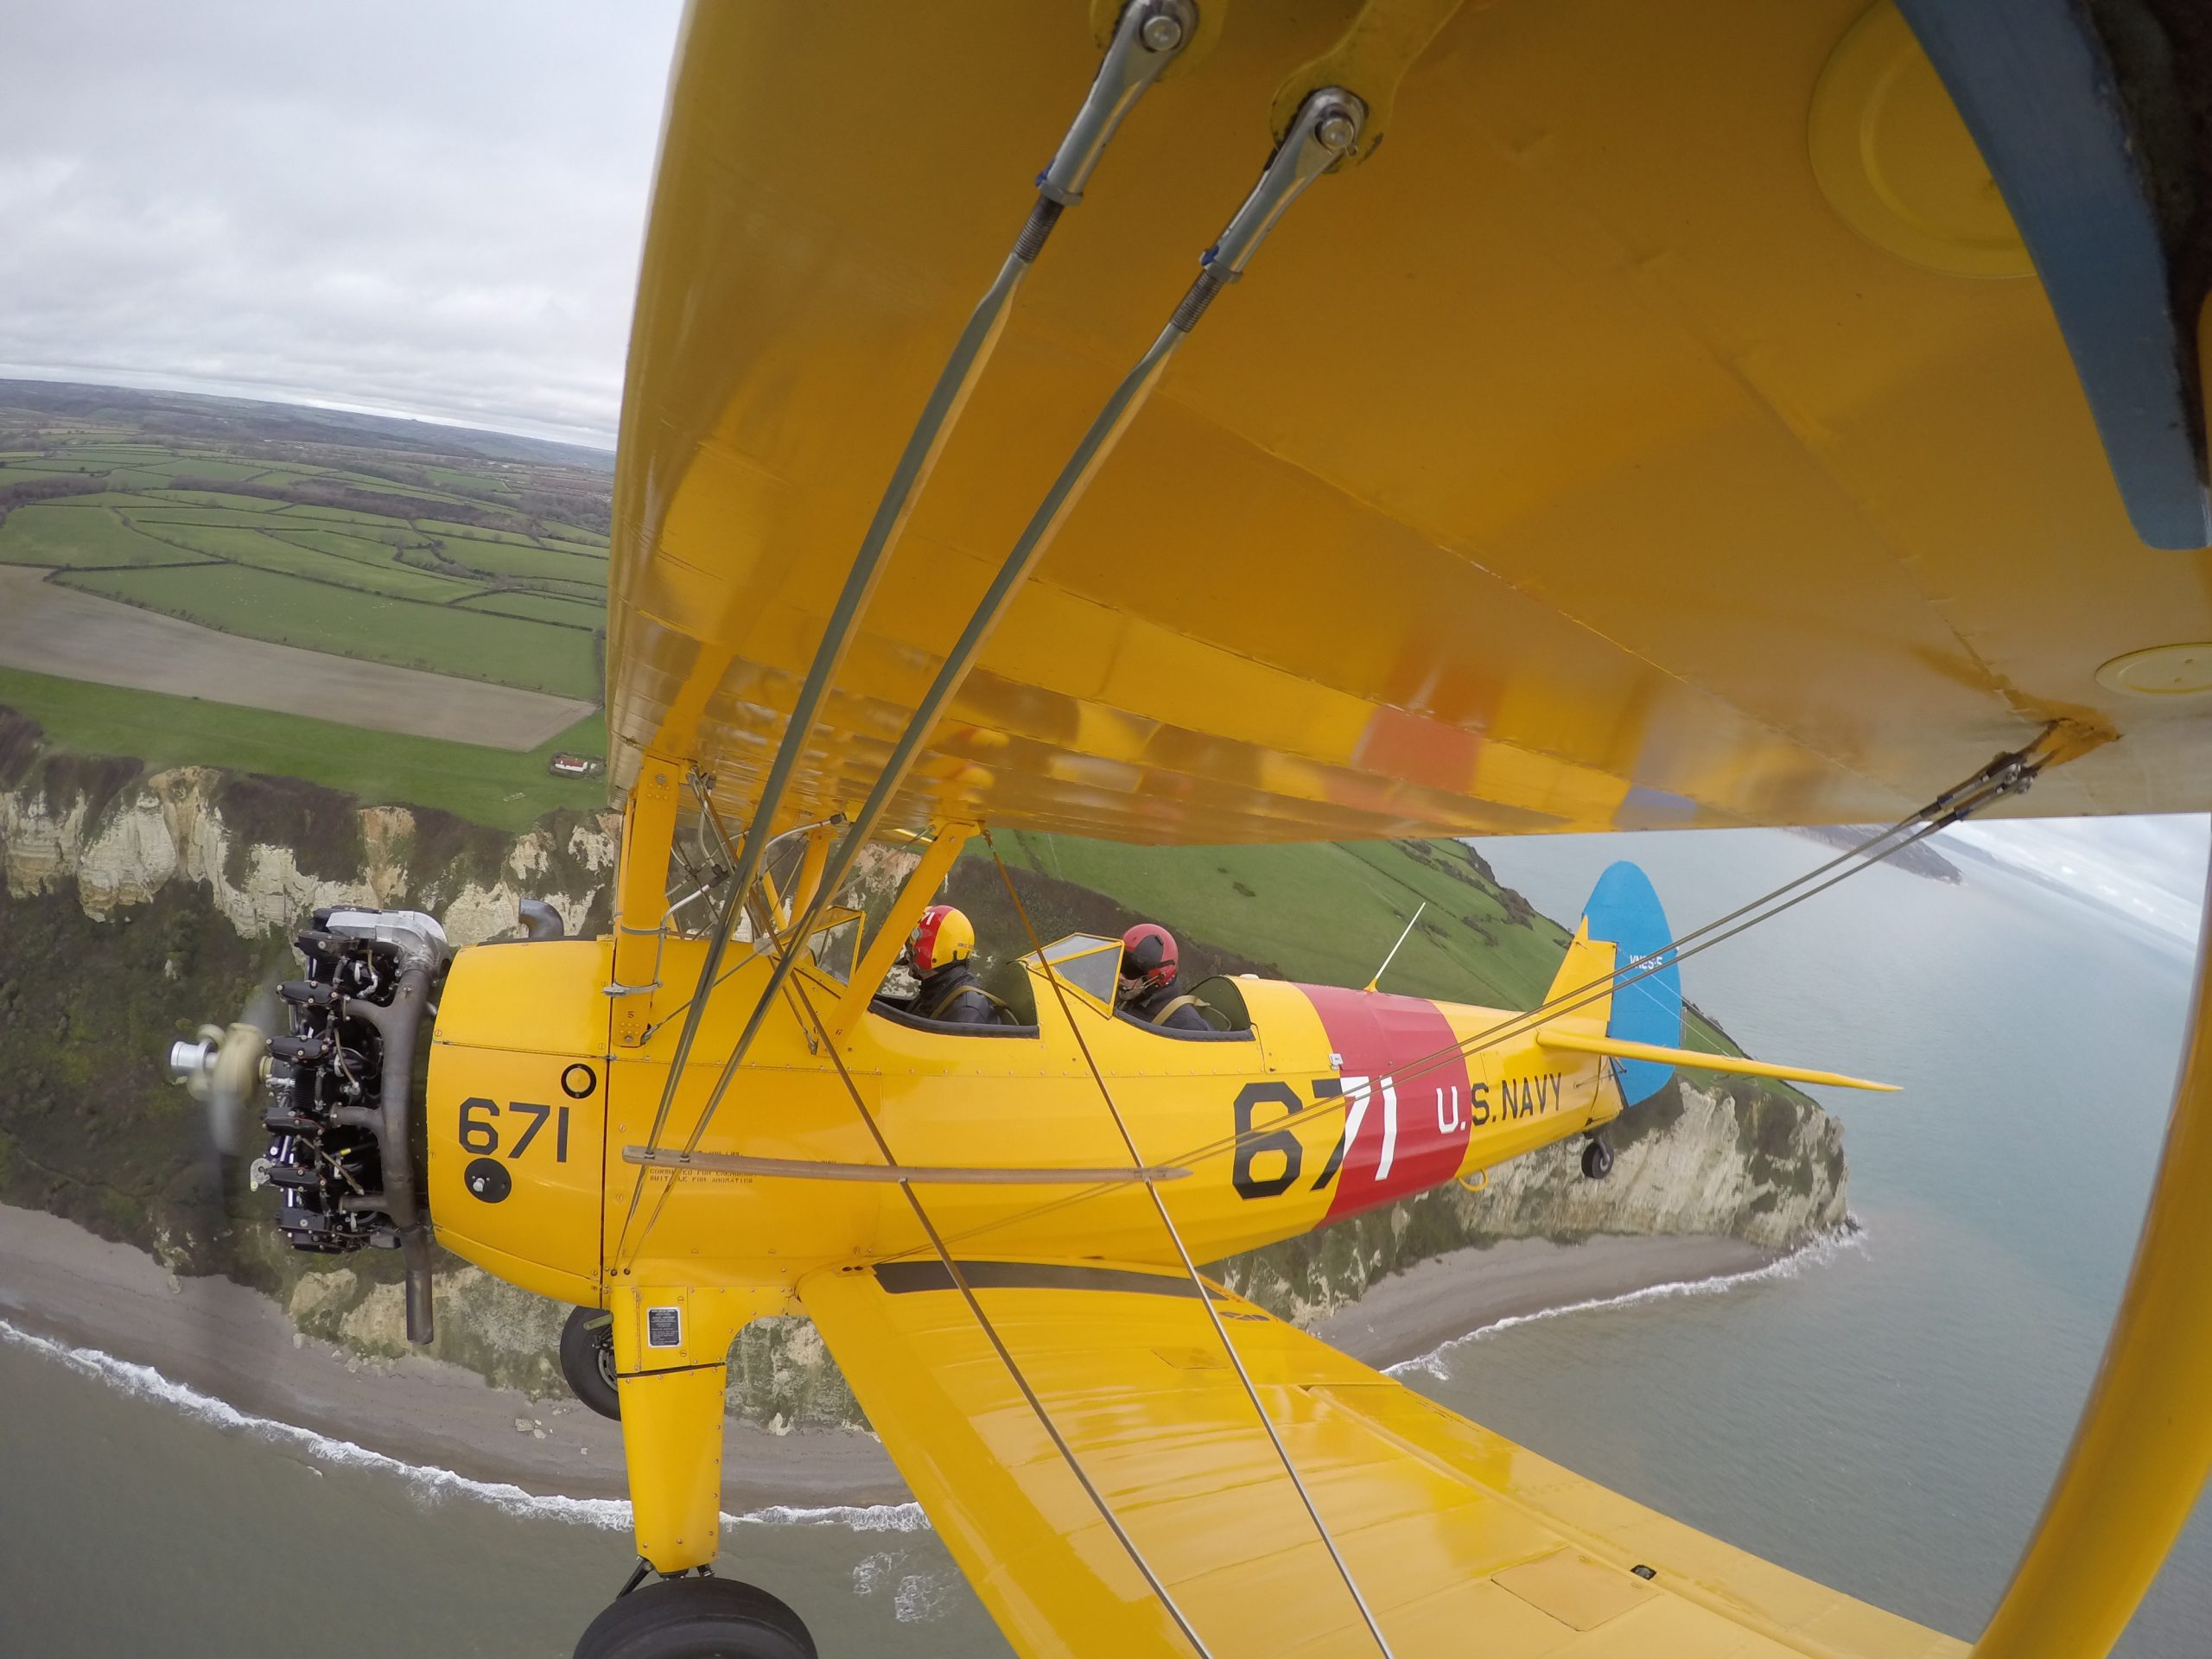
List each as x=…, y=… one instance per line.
x=939, y=949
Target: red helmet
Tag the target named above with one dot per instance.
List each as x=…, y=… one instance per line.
x=942, y=935
x=1148, y=958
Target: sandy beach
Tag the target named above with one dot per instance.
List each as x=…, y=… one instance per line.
x=59, y=1281
x=1433, y=1302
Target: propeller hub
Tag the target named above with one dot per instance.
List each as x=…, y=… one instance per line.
x=190, y=1061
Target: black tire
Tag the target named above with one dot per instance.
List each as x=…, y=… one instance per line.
x=588, y=1360
x=696, y=1619
x=1597, y=1161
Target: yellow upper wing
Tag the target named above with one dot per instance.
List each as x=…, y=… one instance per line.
x=1460, y=1542
x=1573, y=463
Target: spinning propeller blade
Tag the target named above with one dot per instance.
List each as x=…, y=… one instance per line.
x=223, y=1069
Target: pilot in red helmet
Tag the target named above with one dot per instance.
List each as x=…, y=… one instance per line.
x=1148, y=990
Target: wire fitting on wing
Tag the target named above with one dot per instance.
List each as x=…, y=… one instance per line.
x=1373, y=57
x=1326, y=130
x=2010, y=773
x=1151, y=35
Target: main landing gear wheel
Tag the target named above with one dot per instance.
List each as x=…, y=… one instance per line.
x=588, y=1360
x=1597, y=1160
x=696, y=1619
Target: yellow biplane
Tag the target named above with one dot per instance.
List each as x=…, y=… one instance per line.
x=1719, y=413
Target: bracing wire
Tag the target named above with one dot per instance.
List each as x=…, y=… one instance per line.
x=765, y=926
x=990, y=1330
x=964, y=367
x=1183, y=1254
x=1326, y=122
x=760, y=931
x=998, y=1345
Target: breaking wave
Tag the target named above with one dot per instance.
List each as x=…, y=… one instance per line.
x=429, y=1482
x=1817, y=1252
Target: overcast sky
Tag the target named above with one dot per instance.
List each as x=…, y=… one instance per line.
x=2150, y=869
x=426, y=209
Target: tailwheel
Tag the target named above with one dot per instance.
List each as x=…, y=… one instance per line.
x=588, y=1360
x=1597, y=1159
x=696, y=1619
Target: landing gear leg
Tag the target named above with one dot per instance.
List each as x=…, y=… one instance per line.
x=694, y=1616
x=1597, y=1159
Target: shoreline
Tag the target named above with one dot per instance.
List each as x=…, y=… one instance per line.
x=235, y=1347
x=1407, y=1318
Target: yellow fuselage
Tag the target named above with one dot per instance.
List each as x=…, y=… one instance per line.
x=524, y=1073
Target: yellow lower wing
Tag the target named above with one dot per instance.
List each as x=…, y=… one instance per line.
x=1461, y=1542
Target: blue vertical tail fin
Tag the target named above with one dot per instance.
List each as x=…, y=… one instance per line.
x=1624, y=912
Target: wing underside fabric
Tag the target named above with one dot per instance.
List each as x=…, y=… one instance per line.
x=1460, y=1542
x=1573, y=464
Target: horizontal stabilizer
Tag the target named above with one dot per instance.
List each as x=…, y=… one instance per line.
x=1734, y=1065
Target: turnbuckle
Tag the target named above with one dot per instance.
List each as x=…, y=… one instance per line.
x=2010, y=773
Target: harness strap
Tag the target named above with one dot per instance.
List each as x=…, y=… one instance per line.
x=936, y=1010
x=1174, y=1006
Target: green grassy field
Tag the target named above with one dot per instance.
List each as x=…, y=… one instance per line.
x=473, y=532
x=86, y=538
x=527, y=565
x=449, y=552
x=360, y=543
x=261, y=549
x=494, y=788
x=173, y=466
x=153, y=512
x=539, y=608
x=291, y=611
x=354, y=550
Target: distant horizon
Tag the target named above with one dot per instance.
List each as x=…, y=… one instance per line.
x=297, y=397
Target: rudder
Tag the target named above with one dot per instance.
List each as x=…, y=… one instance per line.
x=1624, y=912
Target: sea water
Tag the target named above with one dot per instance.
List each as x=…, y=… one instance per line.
x=1883, y=1412
x=1885, y=1417
x=138, y=1517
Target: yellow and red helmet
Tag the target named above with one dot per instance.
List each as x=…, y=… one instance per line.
x=942, y=935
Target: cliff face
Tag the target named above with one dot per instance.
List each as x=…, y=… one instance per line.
x=1716, y=1159
x=119, y=840
x=133, y=898
x=133, y=906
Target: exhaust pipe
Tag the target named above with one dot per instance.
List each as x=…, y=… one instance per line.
x=540, y=920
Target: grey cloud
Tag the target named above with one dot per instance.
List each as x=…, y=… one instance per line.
x=429, y=209
x=2153, y=868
